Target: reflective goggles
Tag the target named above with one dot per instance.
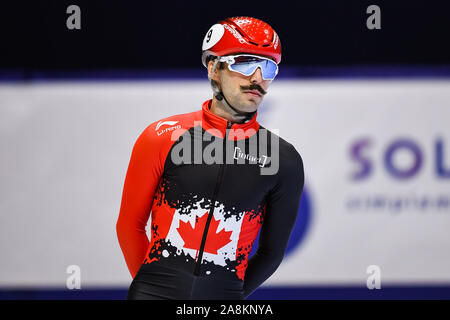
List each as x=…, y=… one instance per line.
x=247, y=64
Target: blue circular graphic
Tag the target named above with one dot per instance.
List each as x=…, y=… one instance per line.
x=301, y=226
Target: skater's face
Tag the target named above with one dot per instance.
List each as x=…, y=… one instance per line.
x=243, y=92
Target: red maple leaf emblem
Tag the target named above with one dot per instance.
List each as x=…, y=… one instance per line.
x=193, y=236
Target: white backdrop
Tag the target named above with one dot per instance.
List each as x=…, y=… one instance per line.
x=65, y=149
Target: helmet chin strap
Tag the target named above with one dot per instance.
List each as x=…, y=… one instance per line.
x=220, y=96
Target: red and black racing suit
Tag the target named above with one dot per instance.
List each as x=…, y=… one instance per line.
x=206, y=216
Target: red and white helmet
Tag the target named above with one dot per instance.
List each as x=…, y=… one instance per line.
x=241, y=35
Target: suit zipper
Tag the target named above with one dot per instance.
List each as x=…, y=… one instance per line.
x=213, y=204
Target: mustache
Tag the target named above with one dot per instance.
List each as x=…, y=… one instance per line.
x=254, y=87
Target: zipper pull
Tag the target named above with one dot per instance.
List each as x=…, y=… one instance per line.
x=227, y=131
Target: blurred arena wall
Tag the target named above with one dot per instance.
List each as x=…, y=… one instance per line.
x=377, y=168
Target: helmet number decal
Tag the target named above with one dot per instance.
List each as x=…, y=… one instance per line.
x=208, y=36
x=214, y=34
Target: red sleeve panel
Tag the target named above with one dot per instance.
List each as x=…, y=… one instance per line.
x=142, y=178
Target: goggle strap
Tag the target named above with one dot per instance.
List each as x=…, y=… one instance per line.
x=214, y=68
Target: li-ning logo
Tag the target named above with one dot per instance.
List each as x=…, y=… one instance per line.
x=239, y=154
x=276, y=41
x=235, y=33
x=170, y=123
x=161, y=123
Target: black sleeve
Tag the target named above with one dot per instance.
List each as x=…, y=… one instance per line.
x=281, y=212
